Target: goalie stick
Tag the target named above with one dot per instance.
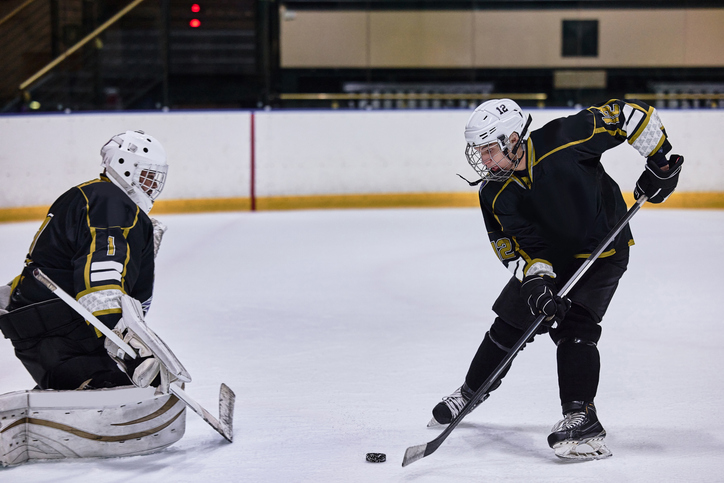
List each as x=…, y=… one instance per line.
x=227, y=398
x=75, y=305
x=414, y=453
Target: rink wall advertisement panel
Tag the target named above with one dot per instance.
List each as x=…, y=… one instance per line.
x=308, y=159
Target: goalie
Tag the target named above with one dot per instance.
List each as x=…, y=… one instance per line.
x=95, y=251
x=98, y=244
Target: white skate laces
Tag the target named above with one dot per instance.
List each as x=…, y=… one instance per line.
x=451, y=405
x=455, y=401
x=570, y=420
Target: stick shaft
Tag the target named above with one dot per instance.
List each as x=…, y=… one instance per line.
x=75, y=305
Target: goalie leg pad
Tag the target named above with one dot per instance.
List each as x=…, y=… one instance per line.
x=125, y=421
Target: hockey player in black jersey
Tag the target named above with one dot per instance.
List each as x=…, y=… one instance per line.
x=547, y=203
x=97, y=243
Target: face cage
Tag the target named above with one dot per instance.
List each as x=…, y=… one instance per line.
x=475, y=159
x=151, y=179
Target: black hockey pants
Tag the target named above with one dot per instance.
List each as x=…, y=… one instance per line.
x=58, y=348
x=576, y=335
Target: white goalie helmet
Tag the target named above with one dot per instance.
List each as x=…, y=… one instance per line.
x=493, y=122
x=136, y=163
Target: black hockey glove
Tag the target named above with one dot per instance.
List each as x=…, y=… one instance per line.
x=540, y=293
x=656, y=183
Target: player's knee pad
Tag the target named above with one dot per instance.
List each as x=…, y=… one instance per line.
x=504, y=335
x=578, y=326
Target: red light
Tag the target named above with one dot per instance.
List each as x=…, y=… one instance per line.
x=195, y=8
x=195, y=22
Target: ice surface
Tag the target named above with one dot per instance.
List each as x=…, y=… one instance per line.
x=340, y=330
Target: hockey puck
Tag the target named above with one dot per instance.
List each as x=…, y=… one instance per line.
x=376, y=457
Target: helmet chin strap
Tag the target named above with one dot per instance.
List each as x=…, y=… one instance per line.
x=471, y=183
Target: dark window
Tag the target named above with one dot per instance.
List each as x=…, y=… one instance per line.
x=580, y=38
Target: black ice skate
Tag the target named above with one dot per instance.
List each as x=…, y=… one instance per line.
x=451, y=405
x=579, y=435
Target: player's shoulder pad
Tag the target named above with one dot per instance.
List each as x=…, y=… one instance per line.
x=108, y=205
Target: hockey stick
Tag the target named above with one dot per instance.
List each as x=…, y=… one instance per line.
x=227, y=398
x=75, y=305
x=414, y=453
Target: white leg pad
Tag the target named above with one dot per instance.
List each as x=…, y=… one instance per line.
x=124, y=421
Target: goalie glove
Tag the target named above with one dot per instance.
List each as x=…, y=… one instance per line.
x=656, y=183
x=158, y=230
x=144, y=368
x=154, y=354
x=5, y=291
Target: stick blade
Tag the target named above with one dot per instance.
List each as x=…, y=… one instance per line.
x=227, y=400
x=226, y=407
x=414, y=453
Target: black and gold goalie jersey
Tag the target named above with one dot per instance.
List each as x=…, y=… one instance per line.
x=96, y=244
x=564, y=204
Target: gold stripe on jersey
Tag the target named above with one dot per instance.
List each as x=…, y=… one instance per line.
x=531, y=159
x=573, y=143
x=111, y=241
x=86, y=269
x=89, y=257
x=126, y=231
x=602, y=255
x=608, y=253
x=658, y=146
x=492, y=205
x=40, y=231
x=111, y=246
x=98, y=313
x=520, y=251
x=642, y=125
x=15, y=282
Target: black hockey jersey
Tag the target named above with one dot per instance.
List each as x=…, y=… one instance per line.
x=96, y=244
x=564, y=204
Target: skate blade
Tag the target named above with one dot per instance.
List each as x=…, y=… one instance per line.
x=434, y=424
x=592, y=449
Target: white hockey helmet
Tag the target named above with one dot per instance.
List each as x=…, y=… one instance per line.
x=136, y=163
x=494, y=121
